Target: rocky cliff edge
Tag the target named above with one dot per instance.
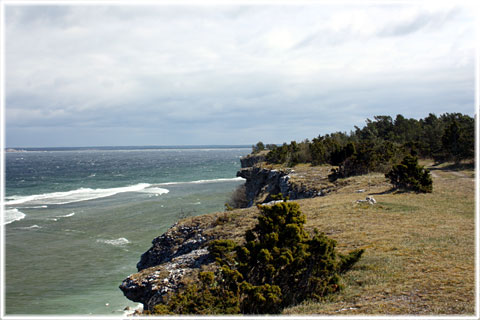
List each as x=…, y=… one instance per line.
x=177, y=256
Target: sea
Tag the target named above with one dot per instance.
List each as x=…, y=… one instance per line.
x=76, y=220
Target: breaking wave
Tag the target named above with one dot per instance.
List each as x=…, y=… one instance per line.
x=203, y=181
x=115, y=242
x=12, y=215
x=31, y=227
x=67, y=215
x=77, y=195
x=156, y=191
x=84, y=194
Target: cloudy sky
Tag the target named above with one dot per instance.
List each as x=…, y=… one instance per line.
x=228, y=74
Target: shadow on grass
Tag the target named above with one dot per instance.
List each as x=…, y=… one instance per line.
x=394, y=190
x=454, y=166
x=389, y=191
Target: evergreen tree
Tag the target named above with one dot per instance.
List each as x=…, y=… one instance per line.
x=458, y=138
x=279, y=265
x=409, y=175
x=258, y=147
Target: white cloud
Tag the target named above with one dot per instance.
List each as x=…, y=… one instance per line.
x=186, y=68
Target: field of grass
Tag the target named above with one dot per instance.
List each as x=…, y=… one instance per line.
x=420, y=248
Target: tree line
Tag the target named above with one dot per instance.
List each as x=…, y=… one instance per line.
x=382, y=143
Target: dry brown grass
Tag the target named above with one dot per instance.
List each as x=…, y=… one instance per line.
x=225, y=225
x=420, y=248
x=307, y=177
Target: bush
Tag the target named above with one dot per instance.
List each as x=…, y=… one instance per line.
x=258, y=147
x=279, y=265
x=205, y=298
x=409, y=175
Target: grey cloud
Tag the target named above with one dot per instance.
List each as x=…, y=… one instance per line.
x=186, y=74
x=24, y=15
x=420, y=21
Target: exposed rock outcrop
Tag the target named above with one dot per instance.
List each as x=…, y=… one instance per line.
x=181, y=252
x=261, y=184
x=179, y=240
x=251, y=159
x=174, y=256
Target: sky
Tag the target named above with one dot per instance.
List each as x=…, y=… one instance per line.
x=164, y=74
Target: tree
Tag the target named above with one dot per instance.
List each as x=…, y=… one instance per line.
x=258, y=147
x=458, y=137
x=279, y=265
x=431, y=137
x=409, y=175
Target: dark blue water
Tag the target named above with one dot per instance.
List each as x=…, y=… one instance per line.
x=77, y=221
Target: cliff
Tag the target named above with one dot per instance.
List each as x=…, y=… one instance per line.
x=177, y=256
x=393, y=230
x=252, y=159
x=174, y=255
x=262, y=182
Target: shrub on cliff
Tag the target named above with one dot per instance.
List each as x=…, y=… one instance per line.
x=258, y=147
x=206, y=297
x=409, y=175
x=279, y=265
x=238, y=198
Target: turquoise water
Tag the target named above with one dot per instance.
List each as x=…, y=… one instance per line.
x=77, y=221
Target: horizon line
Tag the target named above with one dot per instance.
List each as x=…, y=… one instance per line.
x=133, y=146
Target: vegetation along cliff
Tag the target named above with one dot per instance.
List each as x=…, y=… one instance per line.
x=378, y=221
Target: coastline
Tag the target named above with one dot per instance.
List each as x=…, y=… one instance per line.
x=178, y=254
x=82, y=249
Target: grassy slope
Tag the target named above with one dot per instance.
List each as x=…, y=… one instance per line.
x=420, y=248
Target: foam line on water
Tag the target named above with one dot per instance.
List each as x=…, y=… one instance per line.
x=35, y=226
x=202, y=181
x=67, y=215
x=156, y=191
x=84, y=194
x=81, y=194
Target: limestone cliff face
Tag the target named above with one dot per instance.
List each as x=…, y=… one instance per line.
x=261, y=184
x=178, y=241
x=179, y=253
x=175, y=255
x=251, y=159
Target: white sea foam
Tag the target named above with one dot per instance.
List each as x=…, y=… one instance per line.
x=31, y=227
x=115, y=242
x=77, y=195
x=203, y=181
x=67, y=215
x=127, y=312
x=74, y=231
x=156, y=191
x=13, y=215
x=84, y=194
x=35, y=207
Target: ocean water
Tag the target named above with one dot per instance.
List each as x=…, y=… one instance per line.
x=77, y=221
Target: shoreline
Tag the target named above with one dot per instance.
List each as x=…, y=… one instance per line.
x=345, y=203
